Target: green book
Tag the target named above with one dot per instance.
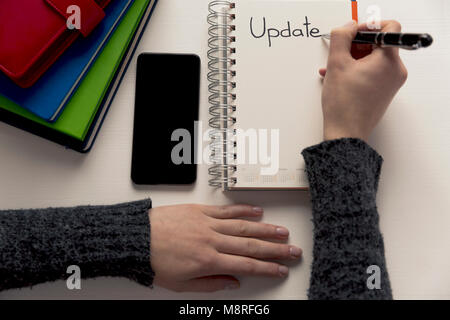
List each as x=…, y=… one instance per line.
x=81, y=109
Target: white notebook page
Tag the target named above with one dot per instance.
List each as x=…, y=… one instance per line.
x=278, y=85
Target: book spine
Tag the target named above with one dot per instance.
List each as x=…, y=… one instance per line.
x=221, y=77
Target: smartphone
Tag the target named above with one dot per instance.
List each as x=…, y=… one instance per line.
x=166, y=109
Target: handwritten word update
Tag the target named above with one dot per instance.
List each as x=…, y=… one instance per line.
x=260, y=30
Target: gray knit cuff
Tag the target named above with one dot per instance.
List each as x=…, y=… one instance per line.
x=37, y=246
x=338, y=168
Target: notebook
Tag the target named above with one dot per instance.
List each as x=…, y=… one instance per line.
x=48, y=96
x=81, y=120
x=265, y=88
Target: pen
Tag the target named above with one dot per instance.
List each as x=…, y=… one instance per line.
x=409, y=41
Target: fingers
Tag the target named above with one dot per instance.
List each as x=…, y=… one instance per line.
x=243, y=228
x=385, y=26
x=244, y=266
x=391, y=26
x=210, y=284
x=232, y=211
x=258, y=249
x=341, y=41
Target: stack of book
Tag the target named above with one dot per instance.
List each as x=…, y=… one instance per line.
x=58, y=79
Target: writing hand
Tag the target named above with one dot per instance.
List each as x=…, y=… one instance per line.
x=357, y=92
x=201, y=248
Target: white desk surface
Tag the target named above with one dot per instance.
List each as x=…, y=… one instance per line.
x=414, y=195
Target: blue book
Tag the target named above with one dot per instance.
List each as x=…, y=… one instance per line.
x=48, y=96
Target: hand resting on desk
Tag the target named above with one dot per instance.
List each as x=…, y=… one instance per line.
x=199, y=248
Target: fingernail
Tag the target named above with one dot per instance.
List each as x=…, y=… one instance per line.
x=232, y=286
x=258, y=210
x=283, y=270
x=282, y=232
x=350, y=23
x=295, y=252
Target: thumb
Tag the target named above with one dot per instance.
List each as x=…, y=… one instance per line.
x=212, y=283
x=342, y=38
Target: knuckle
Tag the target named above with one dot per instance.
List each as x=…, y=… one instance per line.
x=269, y=269
x=250, y=248
x=270, y=230
x=198, y=258
x=242, y=228
x=193, y=210
x=207, y=261
x=337, y=32
x=206, y=238
x=284, y=251
x=403, y=73
x=396, y=25
x=213, y=224
x=280, y=251
x=223, y=210
x=249, y=267
x=273, y=269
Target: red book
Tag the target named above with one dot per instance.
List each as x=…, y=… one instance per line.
x=34, y=33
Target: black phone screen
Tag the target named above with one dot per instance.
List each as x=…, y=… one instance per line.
x=166, y=108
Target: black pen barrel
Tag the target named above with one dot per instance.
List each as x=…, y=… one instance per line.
x=366, y=37
x=412, y=40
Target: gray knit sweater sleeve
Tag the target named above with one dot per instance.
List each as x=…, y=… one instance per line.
x=343, y=176
x=37, y=246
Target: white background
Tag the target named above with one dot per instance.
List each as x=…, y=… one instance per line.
x=414, y=139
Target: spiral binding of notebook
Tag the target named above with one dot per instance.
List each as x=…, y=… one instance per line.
x=222, y=97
